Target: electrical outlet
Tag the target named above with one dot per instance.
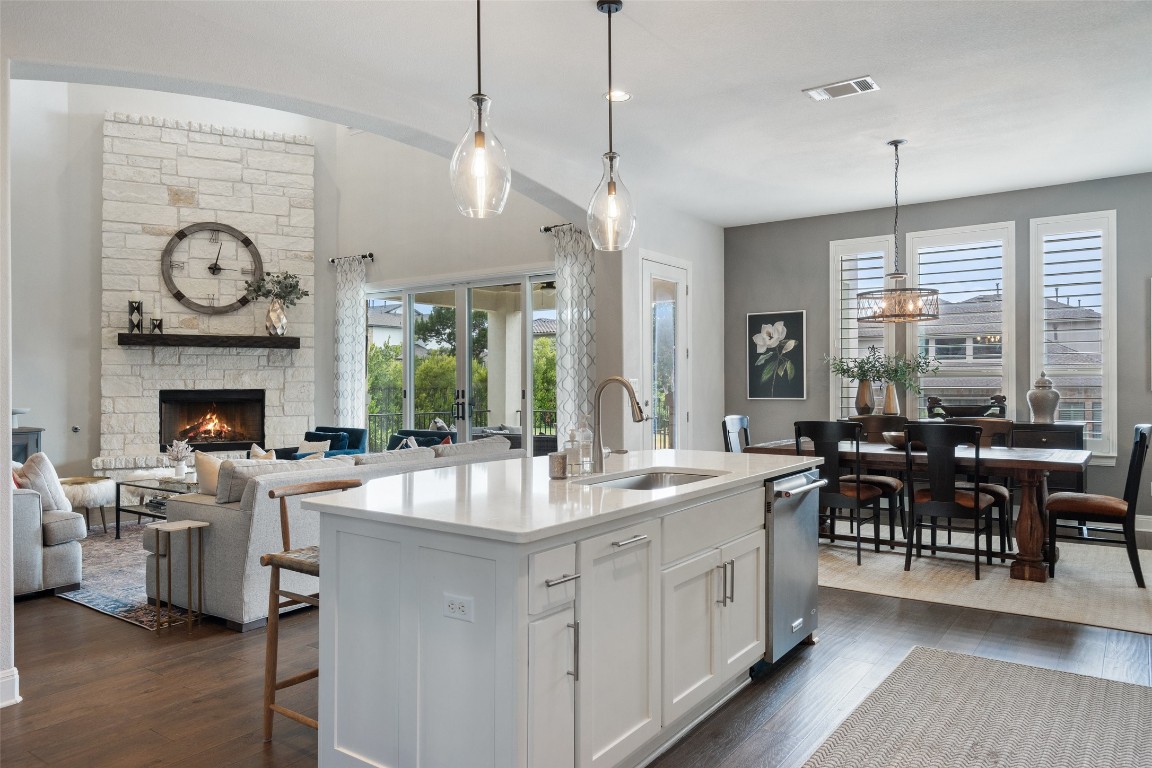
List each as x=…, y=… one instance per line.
x=459, y=607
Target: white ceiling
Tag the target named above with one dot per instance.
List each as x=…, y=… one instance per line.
x=991, y=96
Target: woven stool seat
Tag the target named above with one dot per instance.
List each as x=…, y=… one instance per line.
x=305, y=560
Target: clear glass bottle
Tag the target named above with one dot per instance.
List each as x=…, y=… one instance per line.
x=572, y=448
x=584, y=443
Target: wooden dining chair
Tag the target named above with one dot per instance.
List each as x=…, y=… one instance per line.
x=1098, y=508
x=934, y=494
x=845, y=488
x=735, y=433
x=993, y=432
x=875, y=425
x=305, y=560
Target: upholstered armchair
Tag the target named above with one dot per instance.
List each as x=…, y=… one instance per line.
x=45, y=545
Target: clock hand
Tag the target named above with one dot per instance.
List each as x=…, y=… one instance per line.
x=215, y=267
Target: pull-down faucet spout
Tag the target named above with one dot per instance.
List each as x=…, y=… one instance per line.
x=597, y=438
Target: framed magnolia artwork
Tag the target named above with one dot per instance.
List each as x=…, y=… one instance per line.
x=777, y=349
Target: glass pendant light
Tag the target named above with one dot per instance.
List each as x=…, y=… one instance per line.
x=611, y=218
x=900, y=303
x=481, y=177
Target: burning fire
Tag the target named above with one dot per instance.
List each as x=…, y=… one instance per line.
x=207, y=427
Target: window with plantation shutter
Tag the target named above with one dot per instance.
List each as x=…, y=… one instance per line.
x=972, y=267
x=1073, y=314
x=856, y=265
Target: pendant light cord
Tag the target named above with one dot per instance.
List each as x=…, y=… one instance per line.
x=609, y=80
x=896, y=216
x=478, y=88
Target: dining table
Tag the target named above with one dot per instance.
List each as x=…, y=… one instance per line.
x=1027, y=466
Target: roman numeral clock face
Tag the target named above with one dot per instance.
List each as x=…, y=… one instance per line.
x=205, y=265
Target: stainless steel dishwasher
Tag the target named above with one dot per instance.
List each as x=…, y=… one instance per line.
x=792, y=520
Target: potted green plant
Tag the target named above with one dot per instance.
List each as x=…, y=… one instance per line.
x=864, y=370
x=283, y=288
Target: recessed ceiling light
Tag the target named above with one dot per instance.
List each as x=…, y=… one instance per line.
x=618, y=96
x=844, y=88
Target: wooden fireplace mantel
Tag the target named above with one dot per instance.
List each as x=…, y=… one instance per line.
x=205, y=340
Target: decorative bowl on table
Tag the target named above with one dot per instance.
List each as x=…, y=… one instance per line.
x=896, y=440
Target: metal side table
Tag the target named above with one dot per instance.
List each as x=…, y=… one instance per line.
x=165, y=616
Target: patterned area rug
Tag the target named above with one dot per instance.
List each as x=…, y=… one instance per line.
x=1093, y=585
x=114, y=575
x=940, y=709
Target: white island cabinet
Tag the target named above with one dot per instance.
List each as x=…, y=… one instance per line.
x=486, y=616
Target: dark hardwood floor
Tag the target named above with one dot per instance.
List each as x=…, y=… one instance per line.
x=99, y=692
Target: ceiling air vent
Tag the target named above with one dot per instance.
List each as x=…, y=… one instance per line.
x=841, y=89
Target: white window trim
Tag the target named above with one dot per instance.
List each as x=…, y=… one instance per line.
x=1104, y=221
x=837, y=250
x=1005, y=231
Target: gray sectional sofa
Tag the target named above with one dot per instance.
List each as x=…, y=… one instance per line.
x=242, y=529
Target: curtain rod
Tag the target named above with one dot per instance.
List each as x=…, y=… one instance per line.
x=368, y=256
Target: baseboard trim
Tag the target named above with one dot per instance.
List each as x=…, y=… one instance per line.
x=9, y=687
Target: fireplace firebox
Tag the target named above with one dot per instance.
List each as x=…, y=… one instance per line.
x=212, y=419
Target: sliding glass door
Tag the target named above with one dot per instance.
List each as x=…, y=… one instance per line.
x=479, y=357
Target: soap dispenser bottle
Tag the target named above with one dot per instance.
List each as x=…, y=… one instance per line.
x=584, y=442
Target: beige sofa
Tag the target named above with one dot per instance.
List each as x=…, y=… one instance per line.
x=240, y=531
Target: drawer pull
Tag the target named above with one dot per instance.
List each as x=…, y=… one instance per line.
x=575, y=671
x=633, y=540
x=561, y=580
x=723, y=568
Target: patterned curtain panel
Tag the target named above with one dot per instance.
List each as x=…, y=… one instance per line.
x=576, y=327
x=351, y=406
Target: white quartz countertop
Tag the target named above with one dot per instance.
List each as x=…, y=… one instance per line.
x=514, y=500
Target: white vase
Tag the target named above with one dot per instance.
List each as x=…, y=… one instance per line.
x=179, y=469
x=1043, y=400
x=277, y=322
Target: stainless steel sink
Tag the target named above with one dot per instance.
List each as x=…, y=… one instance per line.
x=649, y=481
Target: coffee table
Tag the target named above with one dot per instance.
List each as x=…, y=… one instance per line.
x=163, y=485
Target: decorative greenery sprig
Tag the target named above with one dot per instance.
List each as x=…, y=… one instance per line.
x=877, y=367
x=178, y=451
x=858, y=368
x=280, y=285
x=907, y=371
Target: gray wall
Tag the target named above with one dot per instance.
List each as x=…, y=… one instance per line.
x=784, y=265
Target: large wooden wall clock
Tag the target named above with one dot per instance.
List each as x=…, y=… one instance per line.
x=205, y=265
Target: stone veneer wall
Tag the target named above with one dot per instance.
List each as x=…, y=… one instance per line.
x=161, y=175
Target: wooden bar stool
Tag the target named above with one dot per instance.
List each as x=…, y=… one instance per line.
x=305, y=560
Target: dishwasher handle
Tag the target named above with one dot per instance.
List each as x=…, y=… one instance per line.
x=790, y=492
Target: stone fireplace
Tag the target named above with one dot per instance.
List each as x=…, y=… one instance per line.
x=212, y=419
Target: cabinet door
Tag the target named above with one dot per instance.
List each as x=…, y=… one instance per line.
x=691, y=593
x=551, y=690
x=742, y=617
x=618, y=605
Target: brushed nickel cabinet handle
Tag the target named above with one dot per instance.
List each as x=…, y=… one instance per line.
x=561, y=580
x=575, y=671
x=633, y=540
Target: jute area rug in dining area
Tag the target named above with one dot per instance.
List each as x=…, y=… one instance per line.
x=940, y=709
x=1093, y=585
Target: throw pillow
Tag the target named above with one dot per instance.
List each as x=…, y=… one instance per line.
x=208, y=471
x=446, y=441
x=256, y=452
x=338, y=440
x=314, y=446
x=310, y=456
x=484, y=445
x=38, y=474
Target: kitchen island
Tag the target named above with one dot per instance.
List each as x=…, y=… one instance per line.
x=485, y=615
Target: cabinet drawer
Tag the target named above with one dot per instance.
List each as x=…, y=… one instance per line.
x=550, y=566
x=712, y=523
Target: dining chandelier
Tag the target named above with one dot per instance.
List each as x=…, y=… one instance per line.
x=481, y=176
x=901, y=303
x=611, y=218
